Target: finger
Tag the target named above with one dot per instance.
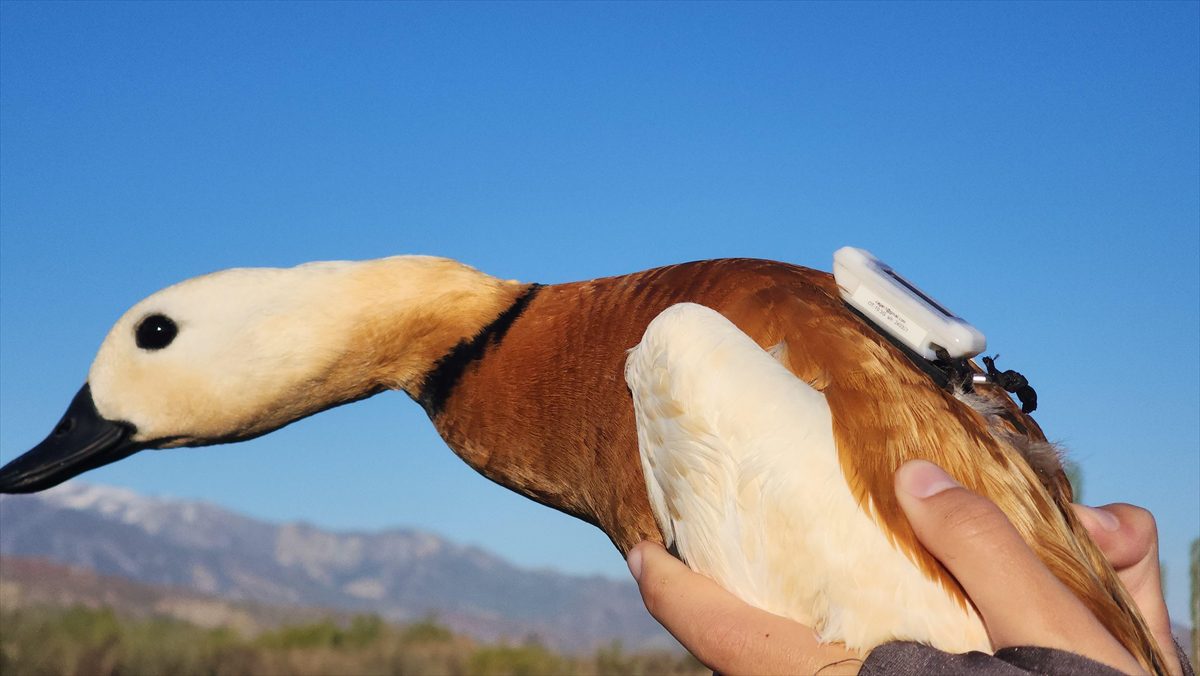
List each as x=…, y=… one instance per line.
x=1128, y=537
x=726, y=634
x=1126, y=534
x=1022, y=603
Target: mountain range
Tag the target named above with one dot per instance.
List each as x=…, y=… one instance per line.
x=400, y=574
x=98, y=545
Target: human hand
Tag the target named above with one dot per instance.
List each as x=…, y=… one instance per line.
x=1021, y=602
x=725, y=633
x=1128, y=536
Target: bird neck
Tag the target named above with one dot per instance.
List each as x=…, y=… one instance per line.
x=439, y=382
x=402, y=316
x=538, y=406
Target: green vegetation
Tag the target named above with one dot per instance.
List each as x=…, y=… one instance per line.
x=1195, y=605
x=1074, y=472
x=78, y=640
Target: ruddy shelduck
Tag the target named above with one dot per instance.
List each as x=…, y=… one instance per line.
x=771, y=419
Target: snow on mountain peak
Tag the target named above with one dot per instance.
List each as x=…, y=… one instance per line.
x=151, y=514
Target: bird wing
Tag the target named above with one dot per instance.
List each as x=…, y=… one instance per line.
x=744, y=479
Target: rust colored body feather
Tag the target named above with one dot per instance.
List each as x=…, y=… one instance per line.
x=543, y=409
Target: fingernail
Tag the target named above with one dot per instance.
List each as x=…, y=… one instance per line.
x=923, y=479
x=1107, y=520
x=634, y=561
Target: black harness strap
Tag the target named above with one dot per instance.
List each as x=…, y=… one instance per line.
x=947, y=372
x=1013, y=382
x=950, y=373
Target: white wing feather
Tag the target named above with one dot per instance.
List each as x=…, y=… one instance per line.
x=743, y=477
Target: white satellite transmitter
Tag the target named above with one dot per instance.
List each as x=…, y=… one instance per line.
x=898, y=307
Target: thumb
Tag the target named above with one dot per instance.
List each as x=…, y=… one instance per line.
x=722, y=631
x=1021, y=602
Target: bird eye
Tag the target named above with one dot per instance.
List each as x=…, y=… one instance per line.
x=156, y=332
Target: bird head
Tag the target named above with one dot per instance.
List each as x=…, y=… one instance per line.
x=236, y=354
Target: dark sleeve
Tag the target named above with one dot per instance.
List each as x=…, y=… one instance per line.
x=1188, y=668
x=904, y=657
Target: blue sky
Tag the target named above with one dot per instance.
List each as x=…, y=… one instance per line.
x=1035, y=167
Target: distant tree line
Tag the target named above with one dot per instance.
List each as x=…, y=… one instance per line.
x=1195, y=605
x=98, y=642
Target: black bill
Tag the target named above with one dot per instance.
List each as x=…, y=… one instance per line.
x=81, y=441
